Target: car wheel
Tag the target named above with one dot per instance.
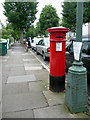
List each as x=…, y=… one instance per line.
x=37, y=52
x=44, y=57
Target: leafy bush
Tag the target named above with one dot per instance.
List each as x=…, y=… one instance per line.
x=11, y=39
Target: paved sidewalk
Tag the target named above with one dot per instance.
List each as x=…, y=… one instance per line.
x=26, y=91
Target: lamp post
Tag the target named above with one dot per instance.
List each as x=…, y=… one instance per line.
x=76, y=91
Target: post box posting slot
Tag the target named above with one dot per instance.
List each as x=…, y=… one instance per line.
x=59, y=37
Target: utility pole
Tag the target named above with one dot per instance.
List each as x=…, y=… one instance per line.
x=76, y=91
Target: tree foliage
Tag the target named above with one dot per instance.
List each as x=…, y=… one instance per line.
x=48, y=18
x=38, y=30
x=8, y=32
x=69, y=14
x=20, y=14
x=30, y=32
x=86, y=12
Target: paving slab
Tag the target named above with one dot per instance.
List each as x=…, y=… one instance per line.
x=28, y=57
x=51, y=112
x=0, y=116
x=1, y=57
x=5, y=57
x=24, y=78
x=28, y=60
x=4, y=60
x=16, y=55
x=17, y=102
x=16, y=47
x=17, y=73
x=33, y=68
x=31, y=62
x=26, y=54
x=59, y=111
x=0, y=107
x=16, y=52
x=20, y=114
x=0, y=110
x=54, y=98
x=39, y=74
x=4, y=68
x=0, y=86
x=17, y=68
x=13, y=65
x=32, y=65
x=4, y=77
x=38, y=86
x=19, y=61
x=15, y=88
x=13, y=58
x=0, y=66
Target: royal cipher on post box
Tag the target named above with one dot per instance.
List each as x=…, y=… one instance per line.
x=57, y=58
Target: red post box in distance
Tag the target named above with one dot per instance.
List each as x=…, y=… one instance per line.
x=57, y=58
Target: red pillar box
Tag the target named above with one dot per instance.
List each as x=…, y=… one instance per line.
x=57, y=58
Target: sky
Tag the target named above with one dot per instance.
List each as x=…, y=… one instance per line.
x=2, y=17
x=55, y=3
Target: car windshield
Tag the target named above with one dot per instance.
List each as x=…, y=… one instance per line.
x=67, y=43
x=47, y=42
x=35, y=41
x=85, y=47
x=85, y=39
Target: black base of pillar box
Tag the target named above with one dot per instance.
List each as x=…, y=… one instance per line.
x=57, y=84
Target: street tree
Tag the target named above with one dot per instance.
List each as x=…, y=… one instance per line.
x=20, y=14
x=86, y=12
x=8, y=32
x=69, y=14
x=37, y=29
x=30, y=32
x=48, y=18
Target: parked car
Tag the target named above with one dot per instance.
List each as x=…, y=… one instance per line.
x=34, y=42
x=85, y=54
x=43, y=48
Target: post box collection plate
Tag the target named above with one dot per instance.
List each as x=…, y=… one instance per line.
x=58, y=46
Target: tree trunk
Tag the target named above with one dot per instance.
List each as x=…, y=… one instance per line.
x=21, y=37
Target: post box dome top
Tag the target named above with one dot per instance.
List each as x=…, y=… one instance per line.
x=57, y=29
